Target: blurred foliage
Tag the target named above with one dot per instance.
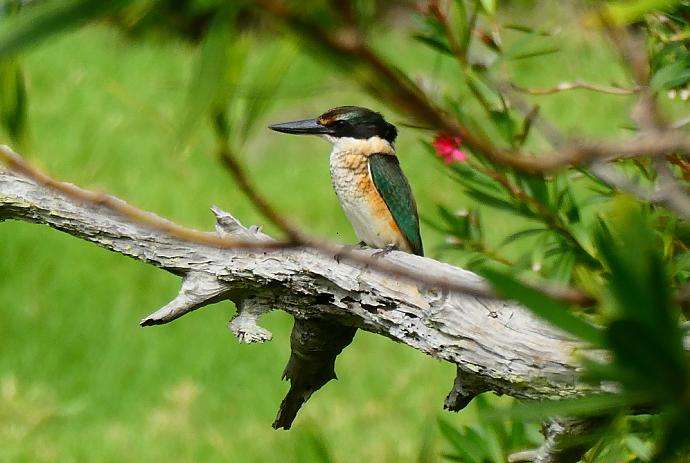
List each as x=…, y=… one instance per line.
x=488, y=441
x=632, y=257
x=13, y=104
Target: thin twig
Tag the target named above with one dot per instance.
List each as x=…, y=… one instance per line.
x=523, y=456
x=576, y=85
x=574, y=152
x=233, y=166
x=552, y=135
x=680, y=123
x=661, y=193
x=442, y=17
x=632, y=48
x=17, y=164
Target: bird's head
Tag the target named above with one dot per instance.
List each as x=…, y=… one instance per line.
x=343, y=122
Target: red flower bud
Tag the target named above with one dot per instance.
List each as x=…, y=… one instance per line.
x=448, y=148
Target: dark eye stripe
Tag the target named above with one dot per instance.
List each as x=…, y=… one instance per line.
x=353, y=121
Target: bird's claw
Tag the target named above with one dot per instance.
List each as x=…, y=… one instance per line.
x=384, y=251
x=349, y=247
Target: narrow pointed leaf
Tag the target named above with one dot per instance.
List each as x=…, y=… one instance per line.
x=13, y=106
x=211, y=78
x=489, y=6
x=42, y=20
x=521, y=234
x=595, y=404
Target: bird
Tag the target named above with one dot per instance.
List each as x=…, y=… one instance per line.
x=366, y=175
x=377, y=199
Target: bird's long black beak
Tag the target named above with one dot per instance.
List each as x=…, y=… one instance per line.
x=307, y=126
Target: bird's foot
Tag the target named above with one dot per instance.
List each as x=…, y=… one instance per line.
x=349, y=247
x=384, y=251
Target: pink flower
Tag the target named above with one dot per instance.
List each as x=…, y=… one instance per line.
x=448, y=148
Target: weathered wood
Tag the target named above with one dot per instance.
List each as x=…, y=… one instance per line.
x=566, y=440
x=314, y=345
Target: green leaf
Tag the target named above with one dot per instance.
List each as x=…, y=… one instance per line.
x=434, y=43
x=432, y=34
x=583, y=238
x=641, y=449
x=263, y=83
x=495, y=433
x=521, y=234
x=315, y=446
x=595, y=404
x=563, y=268
x=477, y=260
x=648, y=367
x=521, y=137
x=476, y=444
x=629, y=11
x=556, y=313
x=427, y=452
x=673, y=75
x=474, y=179
x=489, y=6
x=447, y=456
x=490, y=200
x=484, y=94
x=42, y=20
x=505, y=125
x=639, y=286
x=537, y=187
x=13, y=106
x=567, y=204
x=675, y=423
x=461, y=225
x=681, y=262
x=533, y=53
x=458, y=441
x=537, y=253
x=527, y=29
x=217, y=73
x=467, y=24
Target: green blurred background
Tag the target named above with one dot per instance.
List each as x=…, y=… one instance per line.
x=81, y=381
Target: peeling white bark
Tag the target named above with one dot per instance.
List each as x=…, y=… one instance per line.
x=496, y=345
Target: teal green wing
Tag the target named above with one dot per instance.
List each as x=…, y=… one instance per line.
x=395, y=190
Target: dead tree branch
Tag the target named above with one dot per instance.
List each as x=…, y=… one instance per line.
x=563, y=441
x=472, y=332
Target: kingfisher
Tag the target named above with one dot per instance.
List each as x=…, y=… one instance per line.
x=366, y=175
x=378, y=201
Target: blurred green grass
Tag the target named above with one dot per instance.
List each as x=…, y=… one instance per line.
x=81, y=381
